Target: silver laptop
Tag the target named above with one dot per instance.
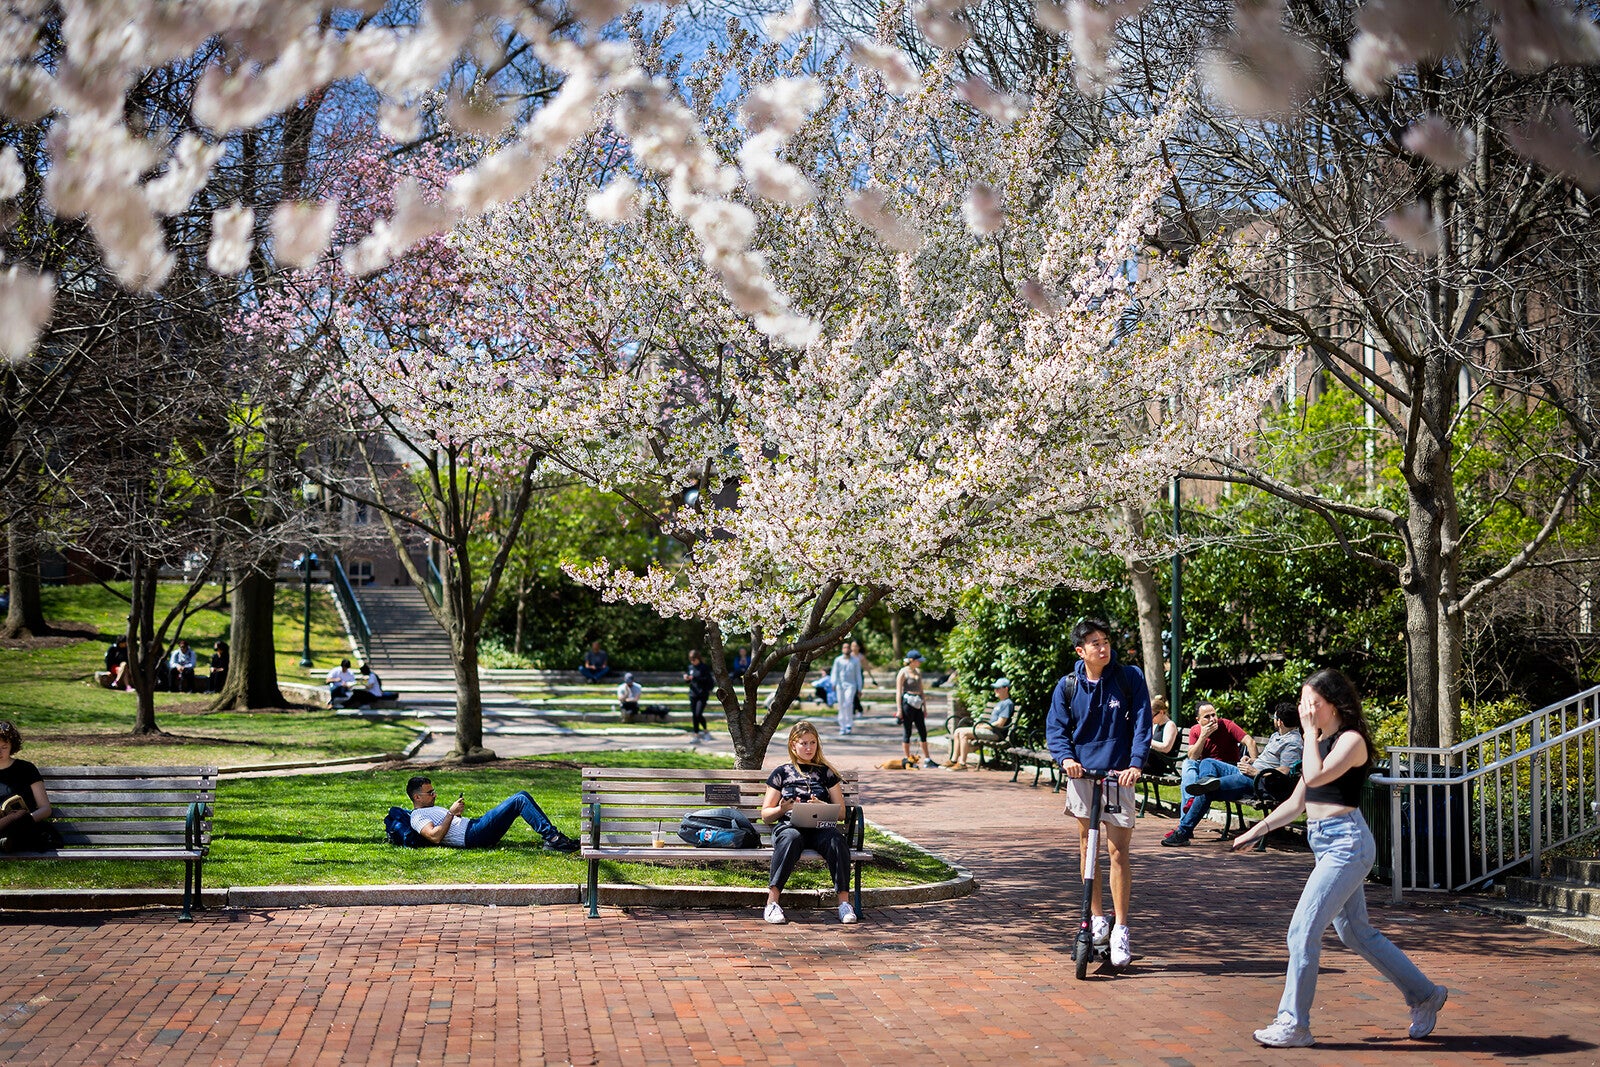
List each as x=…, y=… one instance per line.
x=815, y=814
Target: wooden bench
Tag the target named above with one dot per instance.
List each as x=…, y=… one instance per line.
x=990, y=750
x=133, y=813
x=624, y=806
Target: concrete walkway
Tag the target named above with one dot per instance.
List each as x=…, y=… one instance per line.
x=986, y=978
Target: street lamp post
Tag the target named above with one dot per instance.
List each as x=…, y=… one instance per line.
x=306, y=564
x=1175, y=681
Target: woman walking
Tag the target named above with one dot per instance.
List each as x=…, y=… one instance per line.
x=1333, y=771
x=701, y=682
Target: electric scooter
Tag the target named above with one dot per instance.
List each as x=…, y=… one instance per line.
x=1084, y=949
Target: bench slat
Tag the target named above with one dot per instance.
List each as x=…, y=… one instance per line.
x=73, y=853
x=96, y=796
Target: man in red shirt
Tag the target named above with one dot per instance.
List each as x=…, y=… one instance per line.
x=1215, y=745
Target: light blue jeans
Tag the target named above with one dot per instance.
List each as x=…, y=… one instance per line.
x=1344, y=849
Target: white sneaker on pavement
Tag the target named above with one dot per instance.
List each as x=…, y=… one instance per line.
x=774, y=914
x=1100, y=929
x=847, y=914
x=1425, y=1015
x=1121, y=951
x=1283, y=1033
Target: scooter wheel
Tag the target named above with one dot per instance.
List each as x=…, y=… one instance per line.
x=1082, y=953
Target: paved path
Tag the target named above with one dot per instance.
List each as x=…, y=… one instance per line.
x=986, y=978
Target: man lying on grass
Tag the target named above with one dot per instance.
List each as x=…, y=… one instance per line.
x=450, y=826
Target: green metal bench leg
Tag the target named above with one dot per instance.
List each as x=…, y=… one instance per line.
x=594, y=889
x=189, y=880
x=857, y=866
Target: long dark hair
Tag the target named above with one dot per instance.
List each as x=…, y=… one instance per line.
x=1331, y=685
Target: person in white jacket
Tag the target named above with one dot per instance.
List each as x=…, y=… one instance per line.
x=846, y=676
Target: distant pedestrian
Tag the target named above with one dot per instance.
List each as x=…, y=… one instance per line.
x=911, y=708
x=846, y=675
x=219, y=666
x=596, y=663
x=701, y=682
x=1333, y=771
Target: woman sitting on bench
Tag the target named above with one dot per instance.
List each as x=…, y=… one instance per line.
x=808, y=776
x=24, y=804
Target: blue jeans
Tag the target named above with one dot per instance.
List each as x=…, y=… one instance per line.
x=487, y=829
x=1344, y=849
x=1231, y=786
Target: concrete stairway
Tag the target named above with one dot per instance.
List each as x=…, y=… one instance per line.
x=405, y=638
x=1567, y=901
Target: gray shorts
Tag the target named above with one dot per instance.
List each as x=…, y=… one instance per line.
x=1080, y=792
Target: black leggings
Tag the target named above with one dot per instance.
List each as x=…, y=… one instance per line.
x=789, y=841
x=917, y=717
x=697, y=708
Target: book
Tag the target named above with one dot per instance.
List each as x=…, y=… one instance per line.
x=14, y=803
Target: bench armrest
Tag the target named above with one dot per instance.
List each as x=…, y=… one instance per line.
x=191, y=825
x=855, y=826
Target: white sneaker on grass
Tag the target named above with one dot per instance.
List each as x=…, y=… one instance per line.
x=774, y=914
x=1100, y=929
x=1121, y=951
x=1283, y=1033
x=847, y=914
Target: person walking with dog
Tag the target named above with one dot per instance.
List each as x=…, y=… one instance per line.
x=808, y=776
x=1336, y=764
x=911, y=708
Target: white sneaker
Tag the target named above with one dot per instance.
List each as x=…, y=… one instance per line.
x=1100, y=929
x=1283, y=1033
x=774, y=914
x=1426, y=1014
x=847, y=914
x=1121, y=952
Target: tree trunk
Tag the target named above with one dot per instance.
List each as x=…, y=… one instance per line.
x=25, y=612
x=1147, y=601
x=1431, y=680
x=894, y=635
x=144, y=655
x=252, y=680
x=469, y=697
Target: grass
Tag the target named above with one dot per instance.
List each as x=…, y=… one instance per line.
x=327, y=829
x=65, y=718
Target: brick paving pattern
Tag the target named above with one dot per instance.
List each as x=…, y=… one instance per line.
x=983, y=979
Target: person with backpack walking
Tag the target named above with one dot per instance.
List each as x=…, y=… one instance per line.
x=1099, y=722
x=808, y=776
x=1336, y=764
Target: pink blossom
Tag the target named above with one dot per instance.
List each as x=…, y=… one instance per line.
x=12, y=180
x=898, y=73
x=301, y=231
x=1440, y=143
x=983, y=209
x=617, y=202
x=871, y=208
x=1260, y=67
x=25, y=304
x=1535, y=34
x=1416, y=227
x=1559, y=145
x=801, y=17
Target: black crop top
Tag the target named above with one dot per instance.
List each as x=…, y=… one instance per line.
x=1344, y=790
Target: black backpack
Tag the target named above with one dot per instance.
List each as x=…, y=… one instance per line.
x=719, y=828
x=397, y=828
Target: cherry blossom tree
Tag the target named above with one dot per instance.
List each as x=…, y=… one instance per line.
x=1430, y=169
x=985, y=340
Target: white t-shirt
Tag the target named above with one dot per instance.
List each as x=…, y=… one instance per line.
x=342, y=676
x=455, y=835
x=629, y=691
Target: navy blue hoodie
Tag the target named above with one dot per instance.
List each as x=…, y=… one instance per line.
x=1106, y=726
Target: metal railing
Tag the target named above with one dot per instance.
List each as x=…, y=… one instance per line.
x=1460, y=816
x=353, y=614
x=435, y=580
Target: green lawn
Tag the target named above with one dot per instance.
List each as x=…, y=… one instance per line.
x=327, y=829
x=65, y=718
